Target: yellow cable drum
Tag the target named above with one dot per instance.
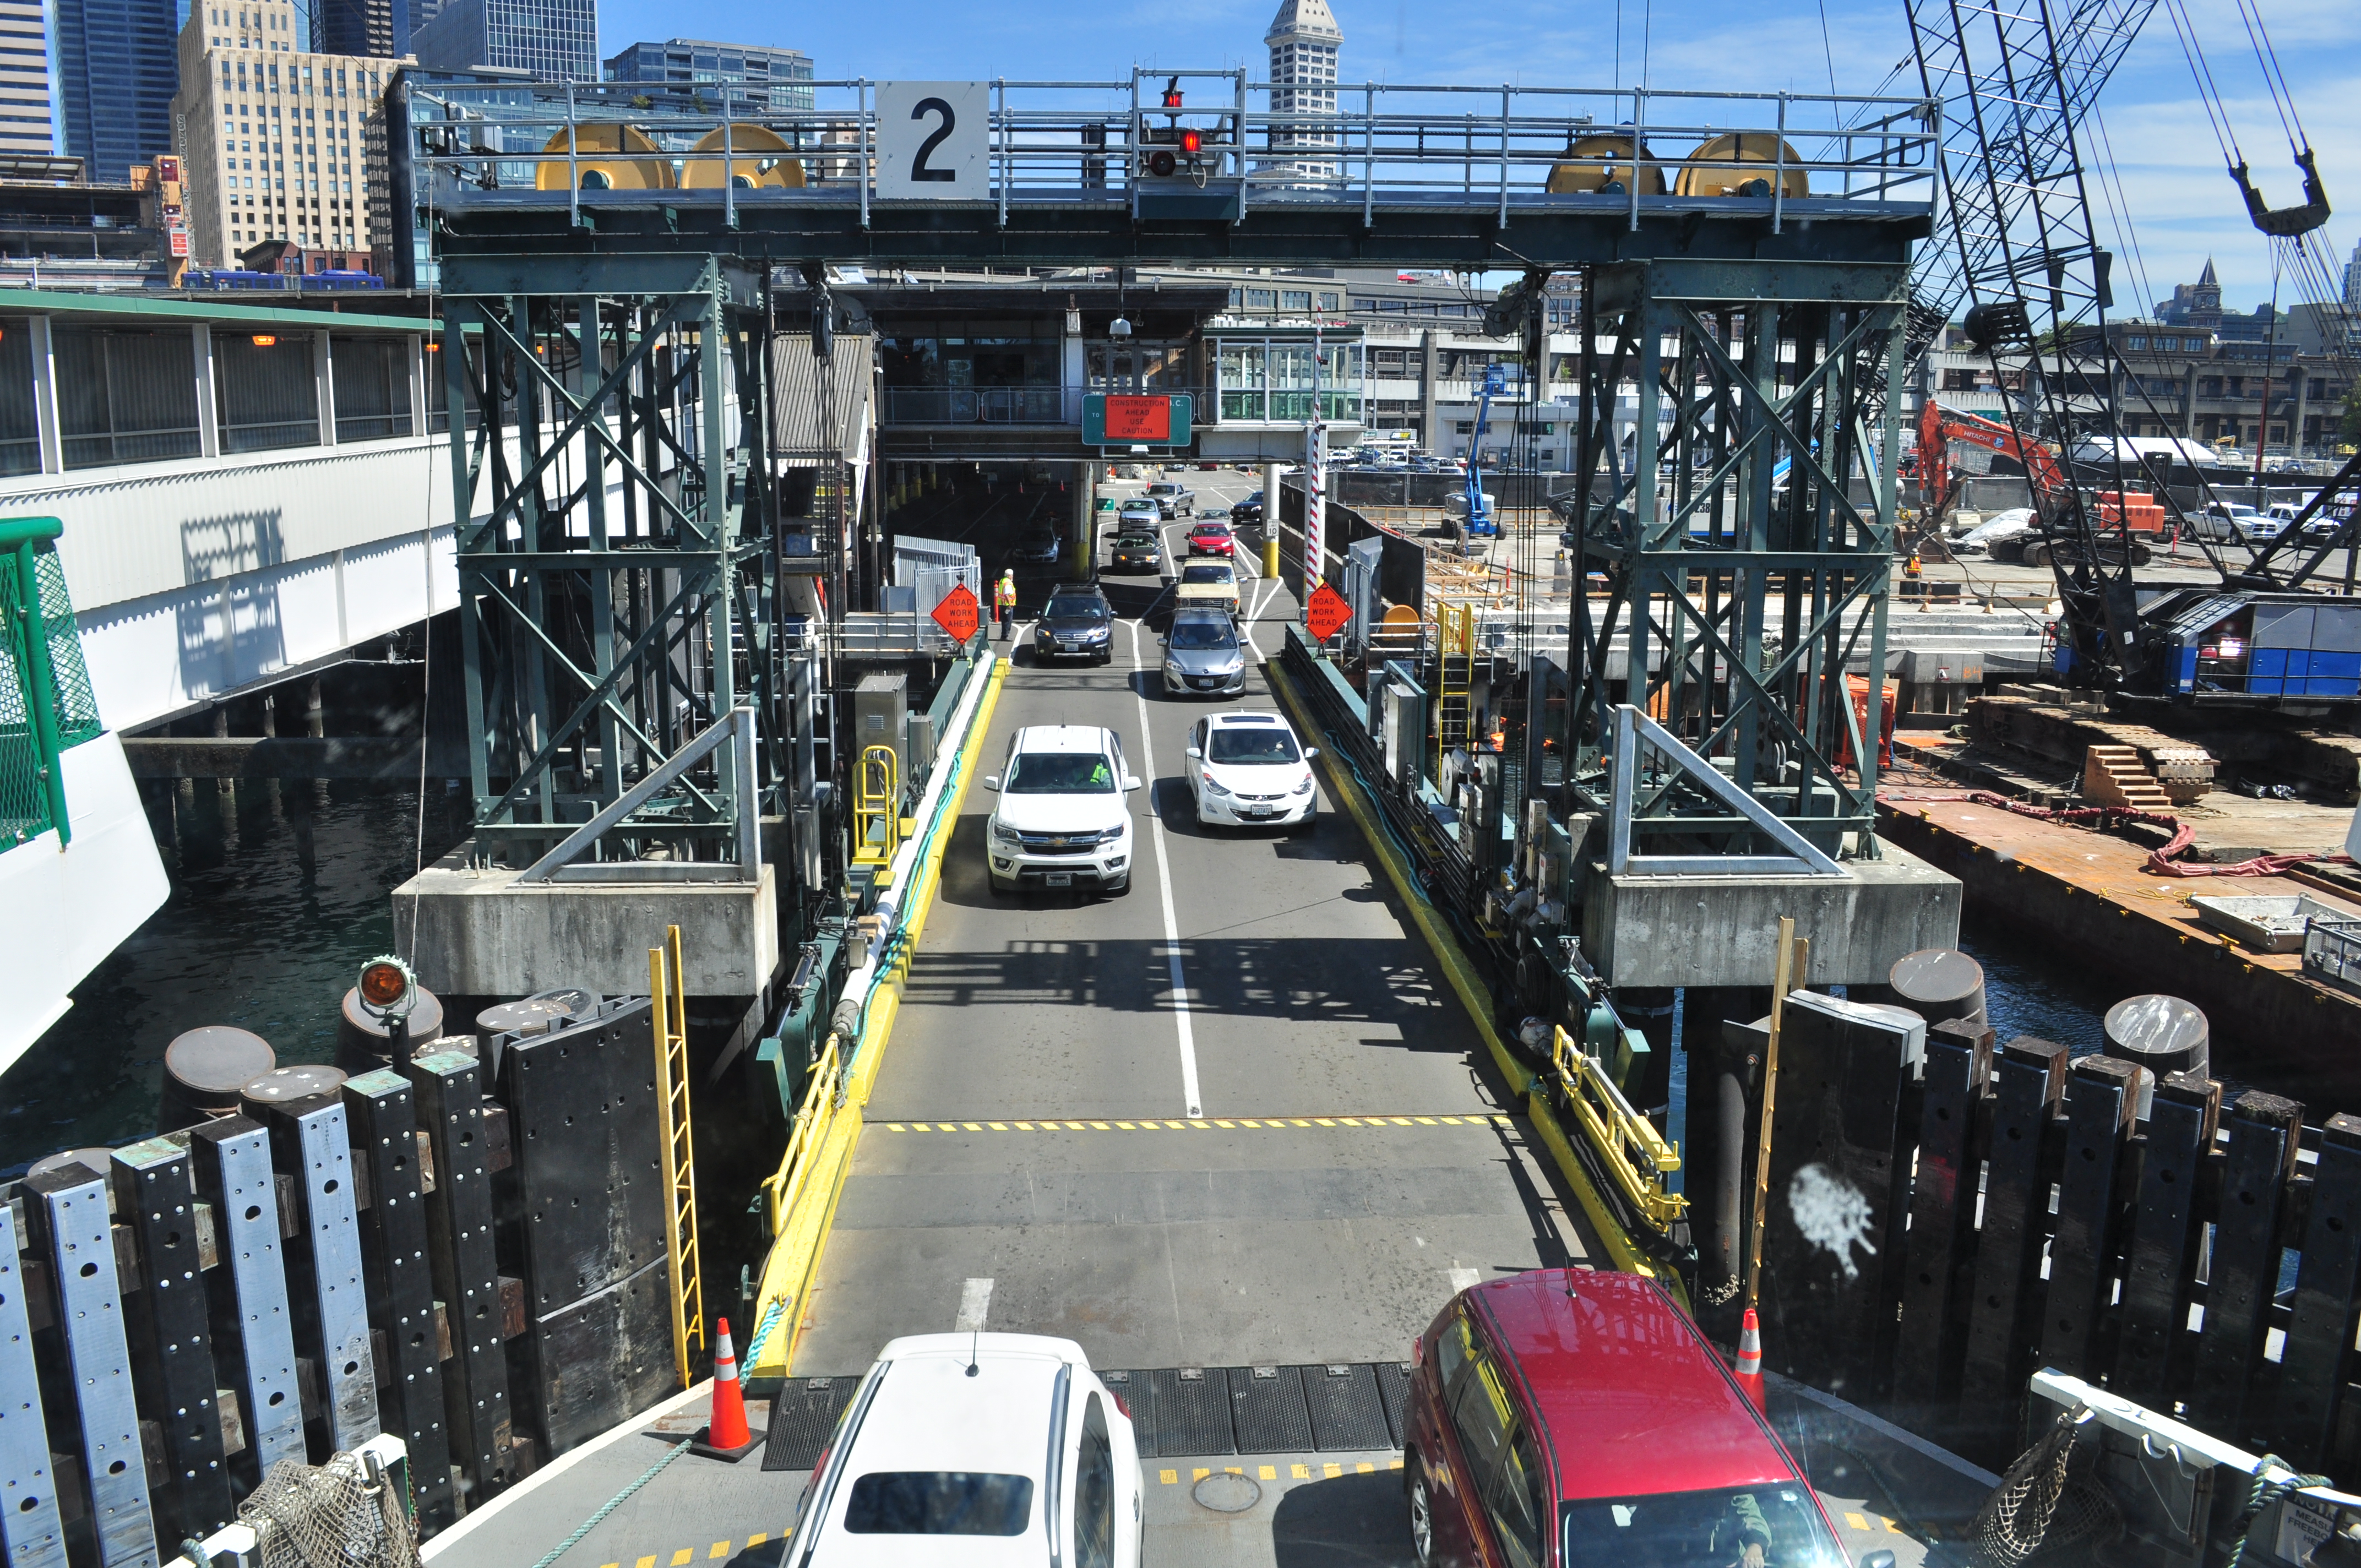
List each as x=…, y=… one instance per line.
x=1592, y=168
x=755, y=160
x=1698, y=178
x=611, y=157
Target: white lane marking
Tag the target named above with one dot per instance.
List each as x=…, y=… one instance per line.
x=975, y=1301
x=1461, y=1279
x=1171, y=921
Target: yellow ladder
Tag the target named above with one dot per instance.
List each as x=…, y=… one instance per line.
x=877, y=808
x=668, y=996
x=1454, y=677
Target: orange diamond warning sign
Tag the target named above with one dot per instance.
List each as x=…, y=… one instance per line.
x=958, y=613
x=1327, y=613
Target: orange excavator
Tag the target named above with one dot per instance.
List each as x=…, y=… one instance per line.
x=2052, y=488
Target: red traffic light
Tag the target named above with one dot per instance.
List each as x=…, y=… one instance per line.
x=1172, y=92
x=1192, y=142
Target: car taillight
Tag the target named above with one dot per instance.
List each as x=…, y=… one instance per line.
x=1120, y=1405
x=1418, y=1353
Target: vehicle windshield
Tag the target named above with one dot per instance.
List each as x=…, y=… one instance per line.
x=1163, y=489
x=1701, y=1529
x=1076, y=606
x=1212, y=530
x=1202, y=634
x=1250, y=744
x=1060, y=773
x=1137, y=542
x=939, y=1502
x=1206, y=574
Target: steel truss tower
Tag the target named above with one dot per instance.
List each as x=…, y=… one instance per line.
x=627, y=663
x=1747, y=550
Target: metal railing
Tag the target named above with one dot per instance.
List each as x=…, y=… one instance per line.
x=667, y=988
x=1636, y=1155
x=983, y=405
x=46, y=706
x=1093, y=143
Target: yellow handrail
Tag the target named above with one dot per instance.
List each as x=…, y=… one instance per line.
x=877, y=808
x=668, y=1015
x=1635, y=1155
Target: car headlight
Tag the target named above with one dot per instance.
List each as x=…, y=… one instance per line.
x=1172, y=667
x=1004, y=834
x=1214, y=786
x=1112, y=836
x=1306, y=787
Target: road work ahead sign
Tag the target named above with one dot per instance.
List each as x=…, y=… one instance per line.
x=1115, y=419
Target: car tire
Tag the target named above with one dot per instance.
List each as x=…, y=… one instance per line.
x=1418, y=1496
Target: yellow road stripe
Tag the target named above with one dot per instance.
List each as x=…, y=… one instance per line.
x=683, y=1555
x=759, y=1537
x=1856, y=1521
x=645, y=1562
x=1270, y=1473
x=1202, y=1123
x=1169, y=1476
x=1199, y=1475
x=1366, y=1468
x=1300, y=1472
x=1891, y=1527
x=1331, y=1471
x=720, y=1549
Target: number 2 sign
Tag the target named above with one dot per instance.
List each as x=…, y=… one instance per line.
x=934, y=141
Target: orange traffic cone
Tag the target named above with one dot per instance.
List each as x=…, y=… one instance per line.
x=1749, y=1359
x=726, y=1434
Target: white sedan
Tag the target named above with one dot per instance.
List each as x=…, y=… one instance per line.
x=1249, y=769
x=975, y=1449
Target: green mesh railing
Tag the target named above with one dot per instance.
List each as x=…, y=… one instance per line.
x=46, y=704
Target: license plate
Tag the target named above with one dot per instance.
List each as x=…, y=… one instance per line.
x=1057, y=879
x=1259, y=811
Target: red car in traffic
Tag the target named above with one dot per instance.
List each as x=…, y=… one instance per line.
x=1567, y=1419
x=1210, y=538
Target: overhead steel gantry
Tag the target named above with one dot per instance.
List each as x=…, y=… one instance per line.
x=1751, y=273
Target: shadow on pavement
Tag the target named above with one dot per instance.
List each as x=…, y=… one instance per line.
x=1346, y=1521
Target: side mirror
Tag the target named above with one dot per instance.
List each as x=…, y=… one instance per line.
x=1310, y=753
x=1164, y=642
x=1194, y=753
x=992, y=782
x=1877, y=1559
x=1130, y=783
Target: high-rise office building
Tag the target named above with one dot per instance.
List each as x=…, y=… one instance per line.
x=378, y=28
x=2353, y=281
x=693, y=70
x=277, y=144
x=1304, y=42
x=115, y=78
x=28, y=112
x=557, y=40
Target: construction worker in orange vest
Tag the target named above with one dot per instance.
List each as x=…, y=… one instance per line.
x=1004, y=602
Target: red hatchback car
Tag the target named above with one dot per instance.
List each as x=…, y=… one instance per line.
x=1210, y=539
x=1566, y=1419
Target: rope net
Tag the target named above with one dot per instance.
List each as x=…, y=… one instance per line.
x=330, y=1515
x=2042, y=1511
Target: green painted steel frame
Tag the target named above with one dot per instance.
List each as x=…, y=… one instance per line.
x=1728, y=411
x=626, y=626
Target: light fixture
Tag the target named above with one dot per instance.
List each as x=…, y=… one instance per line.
x=1073, y=317
x=264, y=340
x=1119, y=327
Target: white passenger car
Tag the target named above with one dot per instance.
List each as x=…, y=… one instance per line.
x=1247, y=770
x=975, y=1450
x=1062, y=821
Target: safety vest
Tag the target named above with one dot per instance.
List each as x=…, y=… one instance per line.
x=1003, y=597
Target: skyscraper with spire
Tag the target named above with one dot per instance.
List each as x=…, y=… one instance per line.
x=1304, y=42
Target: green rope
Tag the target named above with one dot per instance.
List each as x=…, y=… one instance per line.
x=2263, y=1494
x=611, y=1504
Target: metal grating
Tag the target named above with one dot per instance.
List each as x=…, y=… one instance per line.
x=1138, y=1396
x=803, y=1414
x=1192, y=1411
x=1348, y=1414
x=1267, y=1410
x=77, y=708
x=1394, y=1386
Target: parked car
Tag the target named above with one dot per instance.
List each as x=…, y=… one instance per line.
x=2234, y=522
x=1136, y=550
x=1061, y=820
x=1249, y=769
x=2007, y=525
x=1172, y=497
x=2323, y=525
x=1075, y=624
x=1211, y=537
x=1203, y=655
x=1248, y=510
x=1208, y=583
x=980, y=1449
x=1578, y=1417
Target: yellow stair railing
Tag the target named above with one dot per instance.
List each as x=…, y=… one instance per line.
x=877, y=808
x=1455, y=678
x=1636, y=1155
x=669, y=1013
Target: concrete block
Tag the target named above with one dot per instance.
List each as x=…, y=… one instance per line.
x=1724, y=930
x=478, y=933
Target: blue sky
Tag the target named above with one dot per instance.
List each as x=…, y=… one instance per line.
x=2182, y=206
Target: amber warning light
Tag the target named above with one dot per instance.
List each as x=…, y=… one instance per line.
x=385, y=983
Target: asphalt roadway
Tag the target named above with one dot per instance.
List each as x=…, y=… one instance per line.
x=1290, y=1151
